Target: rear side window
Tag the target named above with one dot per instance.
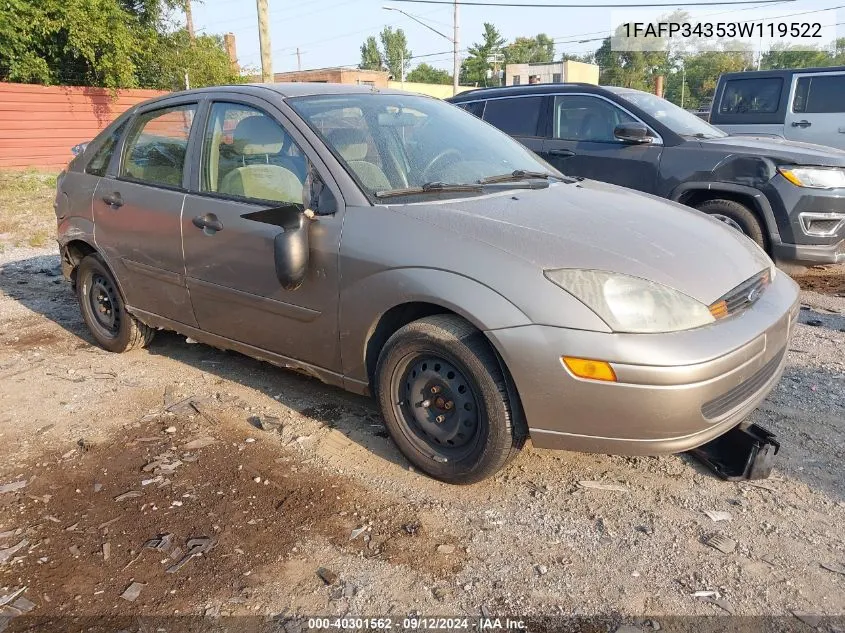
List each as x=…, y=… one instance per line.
x=157, y=145
x=822, y=94
x=517, y=116
x=102, y=157
x=474, y=107
x=750, y=96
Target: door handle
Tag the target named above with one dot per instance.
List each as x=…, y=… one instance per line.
x=208, y=221
x=561, y=153
x=113, y=200
x=803, y=123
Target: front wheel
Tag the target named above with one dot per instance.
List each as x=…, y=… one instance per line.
x=103, y=309
x=445, y=400
x=736, y=216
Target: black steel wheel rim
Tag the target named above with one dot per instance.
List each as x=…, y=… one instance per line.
x=104, y=305
x=438, y=406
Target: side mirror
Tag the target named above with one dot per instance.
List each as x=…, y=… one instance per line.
x=633, y=133
x=77, y=149
x=291, y=248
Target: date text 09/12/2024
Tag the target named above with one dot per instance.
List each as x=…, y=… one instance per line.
x=416, y=624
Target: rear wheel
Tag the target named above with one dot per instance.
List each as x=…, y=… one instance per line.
x=104, y=311
x=445, y=400
x=737, y=216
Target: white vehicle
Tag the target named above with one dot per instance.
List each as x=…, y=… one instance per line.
x=805, y=105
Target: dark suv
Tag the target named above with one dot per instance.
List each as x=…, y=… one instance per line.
x=788, y=197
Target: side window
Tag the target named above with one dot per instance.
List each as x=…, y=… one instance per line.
x=474, y=107
x=750, y=96
x=822, y=94
x=517, y=116
x=248, y=154
x=584, y=118
x=157, y=144
x=102, y=157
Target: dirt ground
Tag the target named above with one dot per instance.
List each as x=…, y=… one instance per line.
x=115, y=462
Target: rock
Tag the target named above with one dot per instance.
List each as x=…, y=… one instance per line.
x=441, y=592
x=13, y=486
x=357, y=532
x=170, y=429
x=327, y=575
x=132, y=592
x=131, y=494
x=106, y=551
x=200, y=442
x=815, y=322
x=11, y=596
x=349, y=590
x=721, y=543
x=836, y=568
x=718, y=515
x=445, y=549
x=597, y=485
x=541, y=570
x=6, y=554
x=266, y=423
x=74, y=551
x=705, y=594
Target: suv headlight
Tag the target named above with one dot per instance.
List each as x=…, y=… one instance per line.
x=631, y=304
x=814, y=177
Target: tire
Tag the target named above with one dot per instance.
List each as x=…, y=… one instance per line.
x=104, y=310
x=736, y=214
x=428, y=365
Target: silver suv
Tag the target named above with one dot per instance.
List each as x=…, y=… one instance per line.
x=395, y=245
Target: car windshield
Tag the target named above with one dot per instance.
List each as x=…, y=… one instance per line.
x=676, y=119
x=396, y=144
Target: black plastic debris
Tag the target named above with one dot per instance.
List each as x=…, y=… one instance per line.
x=744, y=452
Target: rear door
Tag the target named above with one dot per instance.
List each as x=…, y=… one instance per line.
x=250, y=177
x=138, y=208
x=520, y=116
x=817, y=109
x=582, y=143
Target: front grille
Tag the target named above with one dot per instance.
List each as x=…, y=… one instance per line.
x=742, y=296
x=742, y=393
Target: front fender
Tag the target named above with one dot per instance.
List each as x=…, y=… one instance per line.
x=363, y=303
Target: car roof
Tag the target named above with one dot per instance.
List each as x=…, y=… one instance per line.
x=292, y=89
x=528, y=89
x=780, y=72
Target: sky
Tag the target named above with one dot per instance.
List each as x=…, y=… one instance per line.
x=330, y=32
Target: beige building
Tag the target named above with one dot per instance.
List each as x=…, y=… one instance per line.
x=377, y=78
x=554, y=73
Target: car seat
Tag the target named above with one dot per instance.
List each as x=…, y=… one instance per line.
x=351, y=144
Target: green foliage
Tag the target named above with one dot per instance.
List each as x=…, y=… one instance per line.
x=480, y=57
x=785, y=56
x=530, y=50
x=370, y=55
x=427, y=74
x=395, y=53
x=107, y=43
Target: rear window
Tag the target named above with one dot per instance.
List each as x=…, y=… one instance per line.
x=751, y=96
x=517, y=116
x=821, y=94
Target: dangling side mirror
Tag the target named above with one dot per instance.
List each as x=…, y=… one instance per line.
x=291, y=248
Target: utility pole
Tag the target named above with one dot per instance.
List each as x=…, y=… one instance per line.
x=298, y=59
x=456, y=62
x=264, y=41
x=189, y=20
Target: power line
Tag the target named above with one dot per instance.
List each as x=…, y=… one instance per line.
x=639, y=5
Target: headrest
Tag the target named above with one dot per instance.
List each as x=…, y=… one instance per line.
x=258, y=134
x=350, y=143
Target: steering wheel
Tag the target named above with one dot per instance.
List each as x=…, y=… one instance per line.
x=438, y=158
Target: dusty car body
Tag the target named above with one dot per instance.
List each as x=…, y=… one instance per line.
x=394, y=245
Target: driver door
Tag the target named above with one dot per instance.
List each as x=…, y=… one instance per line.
x=582, y=144
x=251, y=173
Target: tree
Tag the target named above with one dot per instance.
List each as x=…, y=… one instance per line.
x=395, y=53
x=630, y=69
x=370, y=55
x=108, y=43
x=480, y=56
x=530, y=50
x=782, y=55
x=427, y=74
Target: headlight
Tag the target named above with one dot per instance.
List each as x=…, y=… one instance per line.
x=631, y=304
x=814, y=177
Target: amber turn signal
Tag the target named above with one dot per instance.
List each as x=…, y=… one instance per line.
x=589, y=369
x=719, y=310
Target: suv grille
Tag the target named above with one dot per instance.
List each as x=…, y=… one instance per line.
x=742, y=392
x=744, y=295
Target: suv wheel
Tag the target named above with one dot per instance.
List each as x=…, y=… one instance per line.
x=737, y=216
x=103, y=309
x=445, y=401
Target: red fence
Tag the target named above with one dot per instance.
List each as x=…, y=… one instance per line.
x=39, y=124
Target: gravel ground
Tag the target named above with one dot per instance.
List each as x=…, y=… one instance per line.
x=311, y=510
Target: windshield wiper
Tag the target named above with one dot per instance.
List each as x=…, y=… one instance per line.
x=517, y=174
x=429, y=187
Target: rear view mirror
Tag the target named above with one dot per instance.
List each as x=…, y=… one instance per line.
x=635, y=132
x=399, y=119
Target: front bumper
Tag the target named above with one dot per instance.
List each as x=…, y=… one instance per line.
x=675, y=391
x=811, y=254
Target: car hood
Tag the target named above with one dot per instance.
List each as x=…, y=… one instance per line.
x=779, y=149
x=593, y=225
